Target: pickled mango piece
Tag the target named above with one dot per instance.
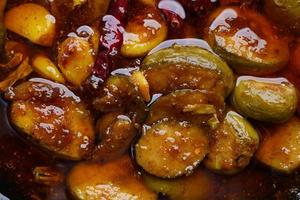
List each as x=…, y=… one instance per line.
x=115, y=180
x=75, y=59
x=169, y=149
x=116, y=133
x=143, y=32
x=33, y=22
x=288, y=10
x=171, y=68
x=265, y=99
x=194, y=106
x=246, y=40
x=280, y=146
x=118, y=93
x=46, y=68
x=232, y=145
x=51, y=116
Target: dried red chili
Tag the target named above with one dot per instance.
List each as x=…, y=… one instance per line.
x=111, y=38
x=173, y=11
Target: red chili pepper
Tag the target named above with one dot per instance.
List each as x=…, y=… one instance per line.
x=173, y=12
x=111, y=38
x=118, y=9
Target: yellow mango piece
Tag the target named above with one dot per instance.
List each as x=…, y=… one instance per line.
x=33, y=22
x=75, y=59
x=46, y=68
x=143, y=32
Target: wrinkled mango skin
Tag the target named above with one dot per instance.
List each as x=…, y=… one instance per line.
x=265, y=99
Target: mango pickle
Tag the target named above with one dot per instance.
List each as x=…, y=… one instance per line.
x=118, y=93
x=265, y=99
x=116, y=132
x=169, y=149
x=33, y=22
x=232, y=145
x=279, y=148
x=278, y=10
x=209, y=71
x=144, y=31
x=114, y=181
x=246, y=40
x=75, y=59
x=53, y=117
x=194, y=106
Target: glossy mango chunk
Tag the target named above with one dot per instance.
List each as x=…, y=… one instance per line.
x=33, y=22
x=46, y=68
x=115, y=180
x=118, y=93
x=232, y=145
x=284, y=12
x=171, y=68
x=280, y=146
x=116, y=132
x=265, y=99
x=170, y=149
x=247, y=40
x=193, y=106
x=53, y=117
x=143, y=32
x=75, y=59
